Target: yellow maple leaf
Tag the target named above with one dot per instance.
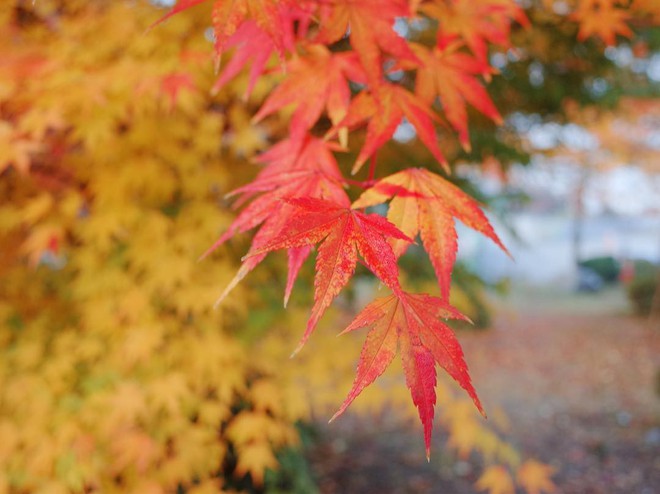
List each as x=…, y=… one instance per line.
x=535, y=477
x=496, y=480
x=254, y=458
x=15, y=149
x=134, y=448
x=464, y=436
x=249, y=426
x=212, y=412
x=266, y=396
x=169, y=392
x=122, y=406
x=211, y=486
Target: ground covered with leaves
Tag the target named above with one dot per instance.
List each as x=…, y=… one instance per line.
x=595, y=418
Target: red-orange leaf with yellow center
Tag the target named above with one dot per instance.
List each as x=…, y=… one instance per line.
x=315, y=82
x=383, y=108
x=342, y=233
x=426, y=203
x=449, y=74
x=294, y=169
x=228, y=15
x=371, y=27
x=411, y=323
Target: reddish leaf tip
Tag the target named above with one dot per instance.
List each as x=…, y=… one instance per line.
x=206, y=254
x=298, y=348
x=445, y=166
x=224, y=294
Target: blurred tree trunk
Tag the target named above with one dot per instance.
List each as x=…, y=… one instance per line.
x=578, y=217
x=654, y=313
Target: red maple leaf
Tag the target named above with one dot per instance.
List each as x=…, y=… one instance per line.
x=316, y=81
x=342, y=233
x=273, y=17
x=371, y=27
x=306, y=169
x=426, y=203
x=450, y=75
x=174, y=83
x=383, y=108
x=411, y=323
x=252, y=44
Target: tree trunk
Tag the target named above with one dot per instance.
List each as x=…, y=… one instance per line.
x=578, y=218
x=654, y=313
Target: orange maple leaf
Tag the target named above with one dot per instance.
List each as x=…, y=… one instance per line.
x=450, y=75
x=477, y=22
x=315, y=82
x=603, y=19
x=371, y=27
x=426, y=203
x=383, y=108
x=410, y=321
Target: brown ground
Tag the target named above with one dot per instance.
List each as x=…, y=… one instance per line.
x=577, y=377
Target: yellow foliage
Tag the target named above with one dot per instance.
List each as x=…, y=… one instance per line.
x=115, y=373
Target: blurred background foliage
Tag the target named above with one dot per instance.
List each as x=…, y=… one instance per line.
x=116, y=374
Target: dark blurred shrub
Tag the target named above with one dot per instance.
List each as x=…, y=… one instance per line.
x=607, y=268
x=643, y=286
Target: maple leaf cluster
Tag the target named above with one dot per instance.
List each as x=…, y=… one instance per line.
x=360, y=67
x=342, y=65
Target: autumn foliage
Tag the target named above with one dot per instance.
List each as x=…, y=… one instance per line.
x=350, y=66
x=116, y=375
x=118, y=149
x=299, y=198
